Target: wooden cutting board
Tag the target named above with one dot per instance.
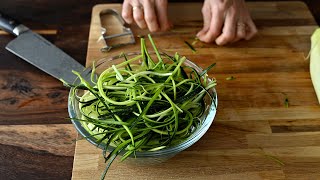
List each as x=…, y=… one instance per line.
x=254, y=135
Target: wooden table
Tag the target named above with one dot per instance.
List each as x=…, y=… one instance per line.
x=37, y=142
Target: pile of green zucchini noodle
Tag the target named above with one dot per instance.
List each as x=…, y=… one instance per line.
x=145, y=103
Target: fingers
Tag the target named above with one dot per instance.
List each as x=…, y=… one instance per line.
x=229, y=29
x=226, y=22
x=138, y=14
x=241, y=29
x=206, y=13
x=151, y=14
x=245, y=30
x=162, y=12
x=252, y=30
x=215, y=27
x=127, y=12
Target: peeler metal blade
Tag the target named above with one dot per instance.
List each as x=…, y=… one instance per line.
x=107, y=32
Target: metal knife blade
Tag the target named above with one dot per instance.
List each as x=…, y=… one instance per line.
x=41, y=53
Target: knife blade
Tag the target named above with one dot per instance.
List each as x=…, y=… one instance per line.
x=41, y=53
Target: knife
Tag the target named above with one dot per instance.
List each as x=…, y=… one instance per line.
x=39, y=52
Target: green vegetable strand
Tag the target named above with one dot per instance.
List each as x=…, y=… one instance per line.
x=146, y=103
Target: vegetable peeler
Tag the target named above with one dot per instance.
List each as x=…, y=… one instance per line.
x=125, y=37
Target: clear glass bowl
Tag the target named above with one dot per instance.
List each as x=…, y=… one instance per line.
x=147, y=157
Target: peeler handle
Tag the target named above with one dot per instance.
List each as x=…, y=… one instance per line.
x=11, y=26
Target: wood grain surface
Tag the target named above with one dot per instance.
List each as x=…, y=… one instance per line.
x=37, y=142
x=254, y=135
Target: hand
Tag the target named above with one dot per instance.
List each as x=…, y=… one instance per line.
x=151, y=14
x=226, y=21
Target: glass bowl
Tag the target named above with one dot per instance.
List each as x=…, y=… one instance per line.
x=146, y=157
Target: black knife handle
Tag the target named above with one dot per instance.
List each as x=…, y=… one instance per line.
x=9, y=25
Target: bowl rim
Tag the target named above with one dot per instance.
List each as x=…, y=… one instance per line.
x=192, y=139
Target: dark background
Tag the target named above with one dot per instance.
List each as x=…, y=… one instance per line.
x=71, y=19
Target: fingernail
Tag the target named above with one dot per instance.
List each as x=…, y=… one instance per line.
x=128, y=21
x=199, y=33
x=220, y=42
